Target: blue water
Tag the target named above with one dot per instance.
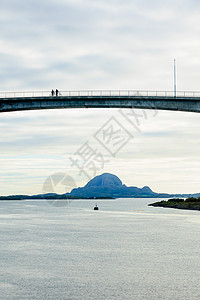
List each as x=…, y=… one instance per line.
x=126, y=250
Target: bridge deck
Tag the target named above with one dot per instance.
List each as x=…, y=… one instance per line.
x=184, y=101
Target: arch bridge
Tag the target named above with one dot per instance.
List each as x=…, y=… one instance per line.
x=160, y=100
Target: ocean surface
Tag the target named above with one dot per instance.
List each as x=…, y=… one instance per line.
x=126, y=250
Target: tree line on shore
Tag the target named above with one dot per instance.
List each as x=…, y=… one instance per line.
x=191, y=203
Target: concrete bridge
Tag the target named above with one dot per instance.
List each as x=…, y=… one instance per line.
x=159, y=100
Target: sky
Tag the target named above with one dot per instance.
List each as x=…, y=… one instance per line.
x=104, y=45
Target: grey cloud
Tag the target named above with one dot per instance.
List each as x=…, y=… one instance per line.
x=56, y=41
x=94, y=44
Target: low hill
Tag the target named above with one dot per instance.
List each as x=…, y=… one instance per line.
x=110, y=185
x=103, y=186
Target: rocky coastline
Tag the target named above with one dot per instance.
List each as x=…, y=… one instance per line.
x=178, y=203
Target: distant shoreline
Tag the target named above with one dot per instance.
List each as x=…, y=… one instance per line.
x=58, y=197
x=178, y=203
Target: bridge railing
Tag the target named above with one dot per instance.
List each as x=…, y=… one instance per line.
x=100, y=93
x=25, y=94
x=118, y=93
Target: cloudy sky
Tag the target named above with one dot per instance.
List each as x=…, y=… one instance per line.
x=98, y=44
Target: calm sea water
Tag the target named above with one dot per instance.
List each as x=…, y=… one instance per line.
x=126, y=250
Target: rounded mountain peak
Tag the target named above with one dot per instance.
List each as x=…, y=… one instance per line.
x=105, y=180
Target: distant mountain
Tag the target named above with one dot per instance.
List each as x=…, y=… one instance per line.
x=109, y=185
x=103, y=186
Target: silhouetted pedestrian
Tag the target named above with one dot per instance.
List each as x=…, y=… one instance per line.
x=57, y=92
x=52, y=92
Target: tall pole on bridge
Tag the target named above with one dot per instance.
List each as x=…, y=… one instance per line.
x=174, y=78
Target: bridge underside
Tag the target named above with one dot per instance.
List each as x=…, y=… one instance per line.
x=189, y=104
